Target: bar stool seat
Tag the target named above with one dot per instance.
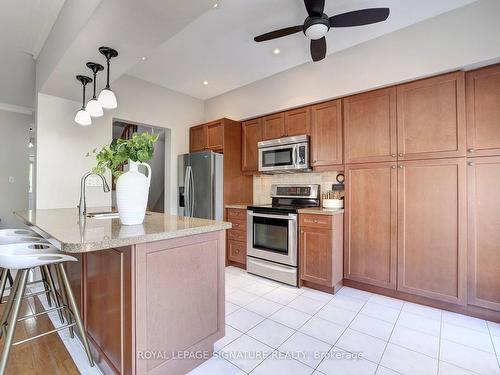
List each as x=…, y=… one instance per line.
x=23, y=257
x=18, y=232
x=7, y=240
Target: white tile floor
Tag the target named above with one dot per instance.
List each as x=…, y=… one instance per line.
x=274, y=329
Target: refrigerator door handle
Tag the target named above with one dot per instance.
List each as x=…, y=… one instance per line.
x=191, y=191
x=187, y=198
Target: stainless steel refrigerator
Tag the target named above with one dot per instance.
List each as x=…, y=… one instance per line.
x=201, y=185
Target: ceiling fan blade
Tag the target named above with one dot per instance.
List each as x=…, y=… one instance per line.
x=278, y=33
x=315, y=8
x=359, y=17
x=318, y=49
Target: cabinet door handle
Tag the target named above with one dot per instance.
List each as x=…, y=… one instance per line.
x=393, y=155
x=400, y=154
x=393, y=167
x=471, y=150
x=471, y=163
x=400, y=167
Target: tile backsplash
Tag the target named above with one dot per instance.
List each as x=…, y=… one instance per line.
x=262, y=184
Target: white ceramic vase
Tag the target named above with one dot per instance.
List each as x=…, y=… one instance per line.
x=132, y=191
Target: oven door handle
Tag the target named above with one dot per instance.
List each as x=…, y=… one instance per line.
x=282, y=217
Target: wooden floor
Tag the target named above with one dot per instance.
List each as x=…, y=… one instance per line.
x=46, y=355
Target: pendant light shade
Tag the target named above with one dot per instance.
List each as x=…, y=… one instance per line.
x=107, y=98
x=94, y=108
x=82, y=116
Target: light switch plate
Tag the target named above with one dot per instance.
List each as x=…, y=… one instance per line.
x=94, y=181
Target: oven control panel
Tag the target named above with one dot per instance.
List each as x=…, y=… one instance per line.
x=295, y=191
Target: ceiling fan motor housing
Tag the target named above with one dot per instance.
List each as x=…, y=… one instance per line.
x=316, y=27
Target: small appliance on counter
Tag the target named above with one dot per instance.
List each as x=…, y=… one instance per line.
x=284, y=155
x=272, y=235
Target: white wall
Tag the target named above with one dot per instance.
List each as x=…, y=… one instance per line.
x=17, y=78
x=464, y=37
x=62, y=143
x=14, y=163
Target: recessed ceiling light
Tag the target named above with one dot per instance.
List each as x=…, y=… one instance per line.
x=216, y=5
x=143, y=58
x=205, y=83
x=276, y=51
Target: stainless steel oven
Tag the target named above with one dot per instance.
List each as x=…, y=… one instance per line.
x=273, y=237
x=284, y=155
x=272, y=242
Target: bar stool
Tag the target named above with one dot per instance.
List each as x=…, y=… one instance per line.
x=12, y=236
x=23, y=257
x=18, y=232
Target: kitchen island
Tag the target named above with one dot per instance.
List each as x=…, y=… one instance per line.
x=151, y=295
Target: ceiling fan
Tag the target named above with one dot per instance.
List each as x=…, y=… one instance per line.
x=317, y=25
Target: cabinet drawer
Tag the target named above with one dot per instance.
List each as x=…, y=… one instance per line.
x=237, y=251
x=236, y=214
x=316, y=221
x=237, y=235
x=239, y=225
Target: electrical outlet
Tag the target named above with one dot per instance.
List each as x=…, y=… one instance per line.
x=12, y=180
x=94, y=181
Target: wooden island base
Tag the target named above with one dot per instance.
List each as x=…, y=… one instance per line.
x=144, y=303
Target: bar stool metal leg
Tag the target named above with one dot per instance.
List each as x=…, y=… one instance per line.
x=52, y=288
x=3, y=282
x=21, y=278
x=8, y=305
x=64, y=298
x=45, y=283
x=9, y=276
x=74, y=310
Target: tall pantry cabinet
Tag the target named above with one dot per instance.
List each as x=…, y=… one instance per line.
x=405, y=188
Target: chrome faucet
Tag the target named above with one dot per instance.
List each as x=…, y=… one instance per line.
x=82, y=207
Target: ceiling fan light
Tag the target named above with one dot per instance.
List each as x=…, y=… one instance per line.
x=107, y=99
x=94, y=108
x=316, y=31
x=83, y=118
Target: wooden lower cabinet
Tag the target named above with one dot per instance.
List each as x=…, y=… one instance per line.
x=371, y=224
x=320, y=251
x=483, y=175
x=432, y=235
x=236, y=245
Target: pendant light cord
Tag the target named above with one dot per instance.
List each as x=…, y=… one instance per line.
x=95, y=75
x=107, y=80
x=83, y=101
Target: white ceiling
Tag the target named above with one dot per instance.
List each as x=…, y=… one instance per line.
x=25, y=24
x=218, y=46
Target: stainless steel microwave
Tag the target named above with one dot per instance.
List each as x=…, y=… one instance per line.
x=284, y=155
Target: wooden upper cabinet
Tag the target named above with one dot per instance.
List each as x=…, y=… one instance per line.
x=215, y=136
x=431, y=118
x=370, y=251
x=273, y=126
x=298, y=121
x=432, y=234
x=326, y=134
x=483, y=111
x=484, y=236
x=198, y=138
x=370, y=127
x=251, y=133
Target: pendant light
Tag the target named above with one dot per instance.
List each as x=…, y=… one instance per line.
x=82, y=116
x=94, y=108
x=107, y=98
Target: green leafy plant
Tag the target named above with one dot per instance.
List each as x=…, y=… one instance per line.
x=139, y=148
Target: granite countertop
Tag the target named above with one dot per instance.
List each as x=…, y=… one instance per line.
x=239, y=206
x=62, y=227
x=321, y=211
